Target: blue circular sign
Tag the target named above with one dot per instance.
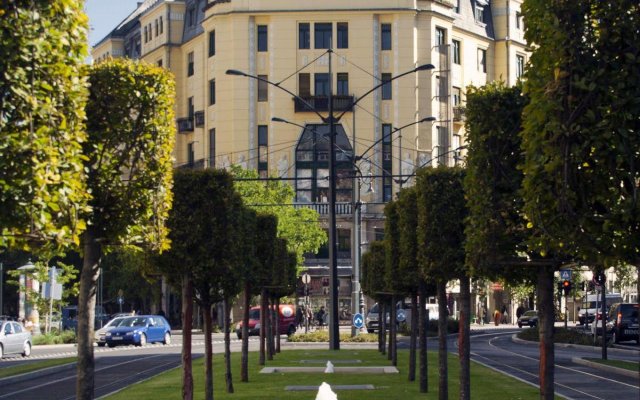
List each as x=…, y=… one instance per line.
x=358, y=320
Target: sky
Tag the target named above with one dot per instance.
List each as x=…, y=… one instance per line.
x=104, y=15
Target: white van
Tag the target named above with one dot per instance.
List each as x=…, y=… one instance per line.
x=593, y=305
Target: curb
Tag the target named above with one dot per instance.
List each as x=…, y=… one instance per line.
x=36, y=374
x=596, y=349
x=602, y=367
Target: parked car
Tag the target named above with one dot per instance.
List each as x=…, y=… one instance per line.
x=529, y=318
x=140, y=330
x=623, y=322
x=372, y=319
x=70, y=317
x=588, y=310
x=100, y=334
x=287, y=321
x=14, y=339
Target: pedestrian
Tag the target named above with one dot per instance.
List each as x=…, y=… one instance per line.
x=519, y=311
x=496, y=317
x=484, y=315
x=320, y=316
x=505, y=314
x=299, y=316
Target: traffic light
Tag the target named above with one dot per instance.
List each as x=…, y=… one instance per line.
x=566, y=286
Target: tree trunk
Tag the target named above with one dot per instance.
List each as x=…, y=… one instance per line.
x=187, y=323
x=389, y=344
x=277, y=325
x=244, y=359
x=227, y=346
x=546, y=319
x=270, y=346
x=208, y=352
x=413, y=339
x=382, y=342
x=464, y=343
x=86, y=315
x=603, y=310
x=443, y=372
x=422, y=334
x=393, y=332
x=263, y=324
x=638, y=291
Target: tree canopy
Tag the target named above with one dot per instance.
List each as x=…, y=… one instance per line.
x=42, y=109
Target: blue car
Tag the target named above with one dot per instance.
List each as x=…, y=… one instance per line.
x=140, y=330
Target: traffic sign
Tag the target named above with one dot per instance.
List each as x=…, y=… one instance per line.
x=358, y=320
x=120, y=300
x=401, y=316
x=306, y=278
x=565, y=274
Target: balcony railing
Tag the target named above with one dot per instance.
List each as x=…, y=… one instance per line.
x=185, y=125
x=199, y=117
x=321, y=103
x=323, y=208
x=458, y=113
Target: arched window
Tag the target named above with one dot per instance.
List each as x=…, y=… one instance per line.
x=312, y=165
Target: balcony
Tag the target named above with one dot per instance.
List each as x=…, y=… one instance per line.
x=199, y=117
x=323, y=208
x=321, y=103
x=185, y=125
x=458, y=113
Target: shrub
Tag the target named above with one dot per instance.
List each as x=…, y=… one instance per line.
x=323, y=336
x=561, y=335
x=55, y=338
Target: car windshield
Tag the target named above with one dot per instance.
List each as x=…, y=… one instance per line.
x=374, y=309
x=254, y=314
x=530, y=313
x=134, y=321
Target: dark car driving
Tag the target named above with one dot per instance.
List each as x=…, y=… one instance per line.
x=622, y=324
x=529, y=318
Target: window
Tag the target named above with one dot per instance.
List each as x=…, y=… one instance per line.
x=385, y=39
x=343, y=84
x=343, y=35
x=456, y=51
x=159, y=63
x=191, y=158
x=386, y=88
x=518, y=20
x=156, y=26
x=161, y=26
x=212, y=147
x=519, y=66
x=263, y=151
x=379, y=233
x=322, y=35
x=304, y=85
x=441, y=36
x=190, y=64
x=479, y=13
x=190, y=107
x=262, y=38
x=443, y=145
x=321, y=85
x=457, y=96
x=304, y=35
x=191, y=17
x=212, y=43
x=212, y=92
x=344, y=240
x=387, y=163
x=456, y=7
x=482, y=60
x=146, y=35
x=263, y=93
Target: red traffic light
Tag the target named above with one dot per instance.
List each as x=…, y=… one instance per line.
x=566, y=286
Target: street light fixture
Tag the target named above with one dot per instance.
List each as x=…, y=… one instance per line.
x=331, y=119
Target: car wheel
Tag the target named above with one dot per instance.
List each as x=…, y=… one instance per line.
x=26, y=350
x=167, y=338
x=101, y=344
x=292, y=330
x=112, y=345
x=371, y=330
x=1, y=352
x=519, y=325
x=239, y=334
x=143, y=340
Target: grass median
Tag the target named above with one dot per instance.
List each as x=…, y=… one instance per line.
x=34, y=366
x=485, y=383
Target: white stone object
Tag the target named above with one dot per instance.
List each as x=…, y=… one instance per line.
x=329, y=369
x=325, y=393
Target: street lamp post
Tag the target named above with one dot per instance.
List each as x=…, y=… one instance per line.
x=331, y=119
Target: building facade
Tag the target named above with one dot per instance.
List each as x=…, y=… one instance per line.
x=313, y=50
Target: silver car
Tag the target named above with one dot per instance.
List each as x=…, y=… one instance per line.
x=99, y=334
x=14, y=339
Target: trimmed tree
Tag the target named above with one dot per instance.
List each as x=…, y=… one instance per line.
x=128, y=162
x=373, y=282
x=395, y=284
x=42, y=99
x=441, y=214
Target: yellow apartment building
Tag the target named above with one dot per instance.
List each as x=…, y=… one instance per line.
x=314, y=49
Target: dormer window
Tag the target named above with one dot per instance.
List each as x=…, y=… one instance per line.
x=479, y=13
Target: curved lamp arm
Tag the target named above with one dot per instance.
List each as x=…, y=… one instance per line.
x=361, y=156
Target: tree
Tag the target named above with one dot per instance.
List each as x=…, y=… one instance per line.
x=441, y=214
x=129, y=174
x=495, y=231
x=42, y=99
x=267, y=226
x=395, y=282
x=299, y=226
x=579, y=137
x=373, y=282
